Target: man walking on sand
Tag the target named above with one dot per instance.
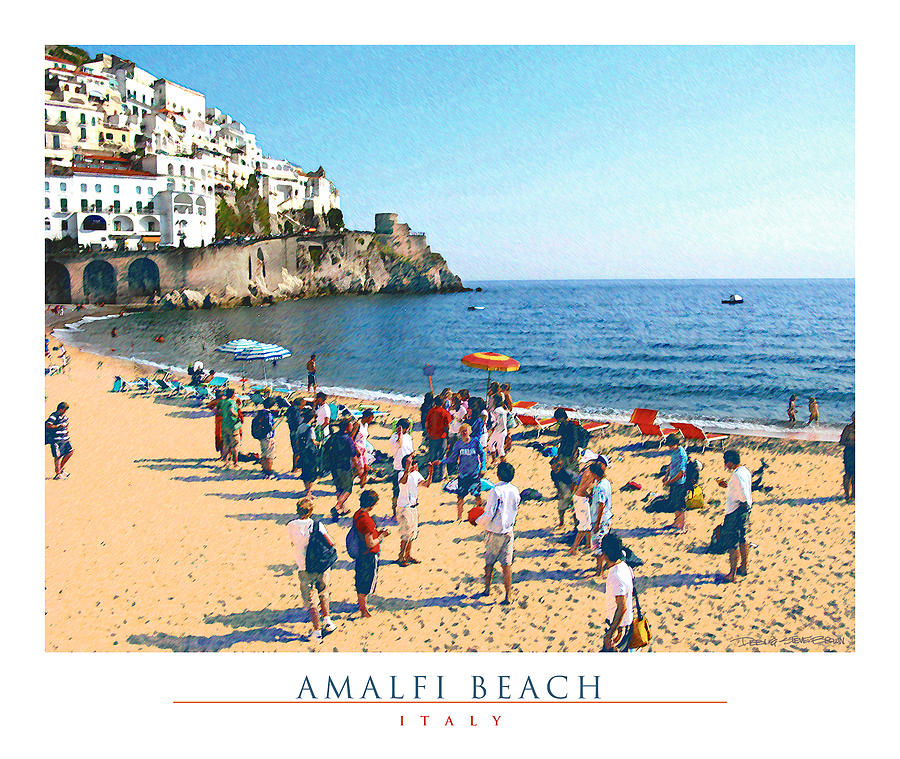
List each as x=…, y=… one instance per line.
x=468, y=456
x=313, y=584
x=341, y=451
x=619, y=600
x=231, y=429
x=738, y=502
x=57, y=436
x=407, y=511
x=675, y=479
x=311, y=374
x=366, y=566
x=498, y=521
x=590, y=476
x=437, y=424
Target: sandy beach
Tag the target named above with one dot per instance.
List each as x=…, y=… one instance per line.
x=151, y=546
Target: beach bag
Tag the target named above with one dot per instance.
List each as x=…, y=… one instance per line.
x=640, y=629
x=321, y=554
x=261, y=425
x=695, y=498
x=354, y=542
x=474, y=513
x=715, y=541
x=513, y=422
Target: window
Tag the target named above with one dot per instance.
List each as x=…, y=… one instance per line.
x=138, y=189
x=46, y=185
x=97, y=188
x=116, y=189
x=98, y=205
x=46, y=202
x=138, y=206
x=93, y=121
x=150, y=207
x=56, y=142
x=123, y=138
x=65, y=225
x=83, y=133
x=62, y=186
x=62, y=115
x=109, y=135
x=171, y=169
x=84, y=188
x=46, y=223
x=63, y=204
x=116, y=206
x=82, y=119
x=46, y=117
x=84, y=204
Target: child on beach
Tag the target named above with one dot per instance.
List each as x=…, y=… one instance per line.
x=401, y=444
x=57, y=436
x=792, y=410
x=366, y=566
x=407, y=513
x=313, y=585
x=468, y=456
x=499, y=521
x=565, y=481
x=231, y=429
x=496, y=447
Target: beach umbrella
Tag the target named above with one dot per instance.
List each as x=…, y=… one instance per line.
x=491, y=362
x=262, y=352
x=236, y=346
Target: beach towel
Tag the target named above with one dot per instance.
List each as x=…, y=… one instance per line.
x=660, y=505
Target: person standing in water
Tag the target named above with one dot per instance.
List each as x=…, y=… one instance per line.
x=792, y=411
x=813, y=411
x=311, y=374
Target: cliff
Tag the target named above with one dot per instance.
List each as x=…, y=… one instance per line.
x=391, y=259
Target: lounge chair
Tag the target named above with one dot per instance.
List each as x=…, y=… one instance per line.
x=594, y=426
x=539, y=424
x=645, y=420
x=691, y=432
x=120, y=385
x=217, y=382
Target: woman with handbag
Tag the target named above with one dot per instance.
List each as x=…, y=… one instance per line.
x=619, y=592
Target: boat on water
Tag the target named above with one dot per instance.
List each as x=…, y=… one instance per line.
x=475, y=308
x=733, y=299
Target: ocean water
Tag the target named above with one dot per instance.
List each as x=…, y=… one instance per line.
x=601, y=346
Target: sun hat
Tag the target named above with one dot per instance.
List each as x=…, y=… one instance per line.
x=587, y=455
x=603, y=460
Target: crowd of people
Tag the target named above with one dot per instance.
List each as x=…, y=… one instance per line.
x=463, y=437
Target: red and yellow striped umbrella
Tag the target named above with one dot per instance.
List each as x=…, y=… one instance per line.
x=492, y=362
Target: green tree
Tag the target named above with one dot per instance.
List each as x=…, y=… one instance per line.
x=335, y=218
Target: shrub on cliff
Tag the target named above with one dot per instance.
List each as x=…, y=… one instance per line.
x=335, y=218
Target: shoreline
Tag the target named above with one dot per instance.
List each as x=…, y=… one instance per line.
x=741, y=429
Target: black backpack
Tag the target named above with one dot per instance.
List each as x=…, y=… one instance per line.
x=261, y=425
x=691, y=473
x=582, y=435
x=321, y=554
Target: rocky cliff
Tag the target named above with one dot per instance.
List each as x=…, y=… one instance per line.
x=391, y=259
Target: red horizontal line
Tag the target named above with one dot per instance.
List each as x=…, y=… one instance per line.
x=558, y=701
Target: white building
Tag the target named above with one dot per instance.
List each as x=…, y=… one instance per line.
x=108, y=207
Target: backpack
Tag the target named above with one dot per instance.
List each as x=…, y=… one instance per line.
x=328, y=453
x=261, y=425
x=582, y=435
x=691, y=473
x=321, y=554
x=354, y=542
x=695, y=498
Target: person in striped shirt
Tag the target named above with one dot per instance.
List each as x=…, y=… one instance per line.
x=57, y=435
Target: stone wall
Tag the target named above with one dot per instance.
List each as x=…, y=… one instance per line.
x=388, y=260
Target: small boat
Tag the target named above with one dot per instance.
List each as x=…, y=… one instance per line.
x=732, y=299
x=475, y=308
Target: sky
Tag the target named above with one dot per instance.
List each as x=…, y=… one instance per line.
x=563, y=162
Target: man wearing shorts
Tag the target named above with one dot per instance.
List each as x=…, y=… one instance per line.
x=231, y=428
x=313, y=585
x=401, y=444
x=498, y=521
x=57, y=435
x=407, y=511
x=601, y=512
x=738, y=502
x=366, y=566
x=590, y=476
x=675, y=480
x=468, y=456
x=311, y=374
x=267, y=443
x=619, y=596
x=565, y=481
x=342, y=453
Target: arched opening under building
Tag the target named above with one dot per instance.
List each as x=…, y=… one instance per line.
x=57, y=285
x=183, y=203
x=99, y=282
x=123, y=224
x=149, y=224
x=93, y=223
x=143, y=277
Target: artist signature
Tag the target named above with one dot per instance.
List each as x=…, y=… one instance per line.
x=791, y=640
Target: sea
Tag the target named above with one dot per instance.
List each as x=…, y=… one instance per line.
x=601, y=347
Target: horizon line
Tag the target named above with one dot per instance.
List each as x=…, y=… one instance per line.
x=660, y=279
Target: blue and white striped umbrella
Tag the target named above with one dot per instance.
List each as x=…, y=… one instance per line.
x=236, y=346
x=262, y=352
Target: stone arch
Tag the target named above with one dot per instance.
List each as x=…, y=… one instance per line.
x=123, y=224
x=183, y=203
x=201, y=206
x=143, y=277
x=148, y=224
x=93, y=223
x=99, y=282
x=57, y=284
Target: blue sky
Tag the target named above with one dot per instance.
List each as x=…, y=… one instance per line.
x=564, y=162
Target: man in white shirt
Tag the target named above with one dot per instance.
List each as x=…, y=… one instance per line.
x=498, y=521
x=738, y=502
x=323, y=416
x=407, y=502
x=619, y=595
x=401, y=446
x=299, y=531
x=496, y=447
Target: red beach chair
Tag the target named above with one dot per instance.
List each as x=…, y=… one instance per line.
x=692, y=432
x=645, y=420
